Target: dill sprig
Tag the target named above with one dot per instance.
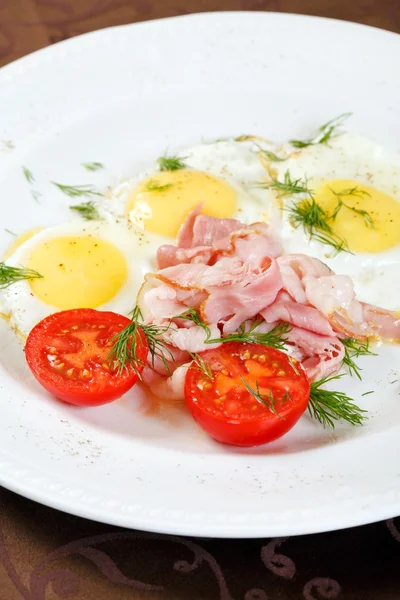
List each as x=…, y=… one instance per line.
x=192, y=315
x=327, y=406
x=201, y=363
x=87, y=210
x=171, y=163
x=268, y=155
x=9, y=275
x=314, y=219
x=124, y=345
x=28, y=175
x=94, y=166
x=8, y=144
x=324, y=133
x=355, y=192
x=267, y=400
x=287, y=187
x=274, y=338
x=153, y=186
x=354, y=348
x=74, y=191
x=36, y=195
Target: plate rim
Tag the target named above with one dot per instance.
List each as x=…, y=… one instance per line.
x=138, y=520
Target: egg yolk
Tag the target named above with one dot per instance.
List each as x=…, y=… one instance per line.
x=163, y=202
x=376, y=229
x=19, y=240
x=78, y=272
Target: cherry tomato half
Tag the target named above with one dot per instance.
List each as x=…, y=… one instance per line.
x=67, y=353
x=255, y=393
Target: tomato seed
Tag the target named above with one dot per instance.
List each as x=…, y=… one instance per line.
x=75, y=327
x=85, y=373
x=245, y=355
x=281, y=373
x=64, y=330
x=262, y=358
x=255, y=356
x=70, y=372
x=102, y=326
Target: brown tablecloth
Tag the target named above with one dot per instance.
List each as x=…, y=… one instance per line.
x=45, y=554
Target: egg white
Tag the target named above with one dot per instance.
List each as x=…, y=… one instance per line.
x=24, y=310
x=236, y=163
x=375, y=275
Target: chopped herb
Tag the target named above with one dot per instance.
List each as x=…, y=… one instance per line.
x=286, y=187
x=293, y=365
x=28, y=175
x=8, y=144
x=366, y=393
x=314, y=220
x=203, y=366
x=9, y=275
x=124, y=349
x=287, y=396
x=94, y=166
x=87, y=210
x=74, y=191
x=268, y=155
x=324, y=133
x=153, y=186
x=192, y=315
x=354, y=348
x=327, y=406
x=267, y=400
x=369, y=222
x=36, y=195
x=171, y=163
x=271, y=156
x=10, y=232
x=274, y=338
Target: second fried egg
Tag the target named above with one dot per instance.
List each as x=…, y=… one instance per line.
x=220, y=175
x=357, y=184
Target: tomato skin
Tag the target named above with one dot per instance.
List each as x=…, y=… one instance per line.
x=84, y=345
x=246, y=429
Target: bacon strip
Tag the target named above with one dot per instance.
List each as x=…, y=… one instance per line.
x=232, y=273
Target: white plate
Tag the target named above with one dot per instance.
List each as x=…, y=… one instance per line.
x=121, y=96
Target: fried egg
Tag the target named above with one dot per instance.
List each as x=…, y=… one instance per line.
x=220, y=175
x=360, y=182
x=83, y=265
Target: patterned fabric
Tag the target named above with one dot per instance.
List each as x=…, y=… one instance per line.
x=46, y=555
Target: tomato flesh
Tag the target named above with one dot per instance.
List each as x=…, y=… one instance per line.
x=68, y=353
x=224, y=405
